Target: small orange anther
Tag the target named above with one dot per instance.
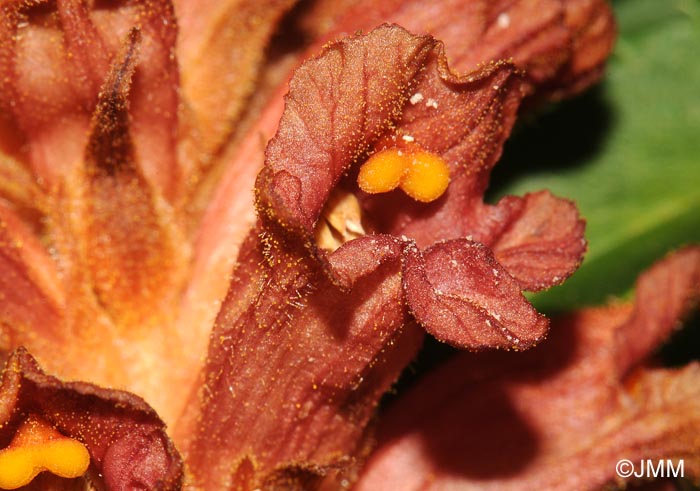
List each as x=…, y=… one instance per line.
x=38, y=447
x=426, y=177
x=422, y=175
x=382, y=172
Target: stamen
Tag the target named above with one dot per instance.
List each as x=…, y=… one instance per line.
x=426, y=177
x=382, y=172
x=422, y=175
x=38, y=447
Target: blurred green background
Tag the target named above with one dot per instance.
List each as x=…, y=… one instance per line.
x=628, y=152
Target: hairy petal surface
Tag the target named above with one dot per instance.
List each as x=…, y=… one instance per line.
x=464, y=297
x=336, y=115
x=220, y=50
x=121, y=255
x=295, y=368
x=466, y=120
x=128, y=446
x=536, y=34
x=50, y=88
x=308, y=339
x=338, y=105
x=131, y=242
x=557, y=417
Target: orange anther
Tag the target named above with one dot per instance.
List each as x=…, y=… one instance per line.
x=38, y=447
x=382, y=172
x=422, y=175
x=426, y=177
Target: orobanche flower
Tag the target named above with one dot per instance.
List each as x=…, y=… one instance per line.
x=128, y=192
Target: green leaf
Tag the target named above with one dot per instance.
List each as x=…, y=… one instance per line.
x=628, y=152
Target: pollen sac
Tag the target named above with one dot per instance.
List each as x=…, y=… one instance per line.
x=422, y=175
x=38, y=447
x=382, y=172
x=426, y=177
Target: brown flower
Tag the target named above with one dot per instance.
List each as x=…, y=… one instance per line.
x=113, y=265
x=313, y=332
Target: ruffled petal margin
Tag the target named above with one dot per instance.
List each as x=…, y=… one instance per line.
x=557, y=417
x=344, y=104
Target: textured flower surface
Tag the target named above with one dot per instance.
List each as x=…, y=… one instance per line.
x=338, y=300
x=558, y=417
x=127, y=198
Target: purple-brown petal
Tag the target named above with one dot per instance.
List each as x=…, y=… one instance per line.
x=296, y=365
x=362, y=256
x=536, y=34
x=128, y=446
x=343, y=103
x=542, y=241
x=664, y=296
x=562, y=45
x=592, y=28
x=465, y=120
x=461, y=295
x=557, y=417
x=338, y=104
